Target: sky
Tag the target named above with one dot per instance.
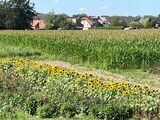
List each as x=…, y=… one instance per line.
x=99, y=7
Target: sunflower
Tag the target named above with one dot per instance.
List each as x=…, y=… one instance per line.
x=154, y=90
x=135, y=86
x=5, y=61
x=78, y=81
x=126, y=93
x=145, y=87
x=92, y=87
x=112, y=87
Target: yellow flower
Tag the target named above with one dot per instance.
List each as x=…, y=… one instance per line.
x=119, y=87
x=154, y=90
x=89, y=83
x=5, y=60
x=112, y=87
x=91, y=86
x=126, y=93
x=145, y=87
x=19, y=68
x=78, y=81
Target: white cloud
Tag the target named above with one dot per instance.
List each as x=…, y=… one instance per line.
x=82, y=9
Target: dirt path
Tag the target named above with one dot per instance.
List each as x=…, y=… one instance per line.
x=96, y=73
x=81, y=70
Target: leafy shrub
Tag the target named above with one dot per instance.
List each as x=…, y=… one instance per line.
x=31, y=106
x=48, y=111
x=68, y=110
x=112, y=111
x=15, y=115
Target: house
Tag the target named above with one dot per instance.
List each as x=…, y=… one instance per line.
x=103, y=21
x=93, y=22
x=87, y=23
x=71, y=19
x=38, y=24
x=145, y=19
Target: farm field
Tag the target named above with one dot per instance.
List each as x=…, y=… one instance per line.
x=96, y=74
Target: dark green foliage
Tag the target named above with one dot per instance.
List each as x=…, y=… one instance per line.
x=48, y=111
x=56, y=21
x=16, y=14
x=114, y=110
x=118, y=21
x=68, y=110
x=136, y=24
x=2, y=16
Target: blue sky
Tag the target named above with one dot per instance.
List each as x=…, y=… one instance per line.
x=99, y=7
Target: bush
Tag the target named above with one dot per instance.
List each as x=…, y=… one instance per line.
x=48, y=111
x=16, y=115
x=136, y=25
x=68, y=110
x=113, y=111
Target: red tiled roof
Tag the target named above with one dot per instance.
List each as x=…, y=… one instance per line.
x=36, y=22
x=88, y=20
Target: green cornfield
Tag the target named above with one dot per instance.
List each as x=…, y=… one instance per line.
x=97, y=48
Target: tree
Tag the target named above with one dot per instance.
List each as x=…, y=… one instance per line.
x=70, y=25
x=137, y=18
x=118, y=21
x=136, y=24
x=155, y=22
x=2, y=16
x=23, y=13
x=55, y=21
x=147, y=24
x=79, y=17
x=16, y=14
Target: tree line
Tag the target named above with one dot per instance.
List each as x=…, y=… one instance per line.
x=55, y=21
x=136, y=22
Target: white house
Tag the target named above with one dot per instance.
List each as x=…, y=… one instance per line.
x=93, y=22
x=103, y=20
x=87, y=23
x=74, y=20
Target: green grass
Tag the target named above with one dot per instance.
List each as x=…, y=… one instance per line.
x=11, y=51
x=139, y=76
x=21, y=115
